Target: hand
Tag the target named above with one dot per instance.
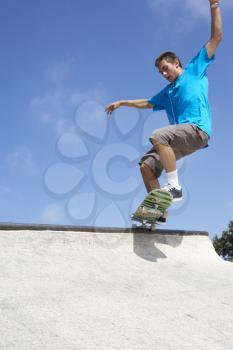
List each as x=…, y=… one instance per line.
x=213, y=2
x=110, y=108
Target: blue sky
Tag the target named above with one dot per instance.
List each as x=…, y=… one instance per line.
x=62, y=160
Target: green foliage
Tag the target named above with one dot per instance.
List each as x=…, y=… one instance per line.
x=224, y=244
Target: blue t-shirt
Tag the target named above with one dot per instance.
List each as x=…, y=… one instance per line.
x=186, y=99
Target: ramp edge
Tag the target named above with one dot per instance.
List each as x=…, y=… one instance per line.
x=8, y=226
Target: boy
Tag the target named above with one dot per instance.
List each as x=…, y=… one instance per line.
x=185, y=100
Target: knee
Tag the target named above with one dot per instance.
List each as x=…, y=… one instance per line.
x=146, y=170
x=159, y=146
x=143, y=168
x=158, y=141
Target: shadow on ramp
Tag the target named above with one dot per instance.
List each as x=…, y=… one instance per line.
x=144, y=245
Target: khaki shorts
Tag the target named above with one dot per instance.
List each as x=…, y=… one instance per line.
x=184, y=139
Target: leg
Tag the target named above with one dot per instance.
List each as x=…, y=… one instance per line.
x=149, y=177
x=172, y=143
x=176, y=141
x=167, y=156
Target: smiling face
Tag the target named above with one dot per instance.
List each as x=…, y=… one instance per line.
x=170, y=70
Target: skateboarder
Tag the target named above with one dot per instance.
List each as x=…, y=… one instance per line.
x=185, y=100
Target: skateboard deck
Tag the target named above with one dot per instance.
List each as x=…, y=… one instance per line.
x=152, y=208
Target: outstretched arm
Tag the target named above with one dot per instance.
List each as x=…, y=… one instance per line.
x=216, y=28
x=131, y=103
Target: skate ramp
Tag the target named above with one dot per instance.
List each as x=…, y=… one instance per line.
x=69, y=288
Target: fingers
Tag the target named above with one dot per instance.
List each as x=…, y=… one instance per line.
x=109, y=109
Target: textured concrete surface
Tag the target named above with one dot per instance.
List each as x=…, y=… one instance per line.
x=66, y=290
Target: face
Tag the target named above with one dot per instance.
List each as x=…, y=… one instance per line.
x=169, y=70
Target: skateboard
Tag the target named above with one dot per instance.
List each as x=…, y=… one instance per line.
x=152, y=208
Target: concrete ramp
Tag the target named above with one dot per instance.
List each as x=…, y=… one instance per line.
x=77, y=288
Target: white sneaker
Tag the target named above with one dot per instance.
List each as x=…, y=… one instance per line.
x=176, y=194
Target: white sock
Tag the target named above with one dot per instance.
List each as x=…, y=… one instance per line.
x=172, y=179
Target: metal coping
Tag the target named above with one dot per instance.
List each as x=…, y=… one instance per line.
x=5, y=226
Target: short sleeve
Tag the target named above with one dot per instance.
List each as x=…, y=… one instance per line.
x=158, y=101
x=199, y=64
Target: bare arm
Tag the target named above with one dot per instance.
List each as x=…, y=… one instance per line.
x=130, y=103
x=216, y=28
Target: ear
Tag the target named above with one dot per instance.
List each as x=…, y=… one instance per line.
x=177, y=63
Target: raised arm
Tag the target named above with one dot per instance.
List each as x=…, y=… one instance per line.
x=130, y=103
x=216, y=28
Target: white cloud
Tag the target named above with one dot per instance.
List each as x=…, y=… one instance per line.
x=177, y=18
x=52, y=108
x=20, y=159
x=57, y=105
x=56, y=108
x=192, y=8
x=10, y=200
x=175, y=10
x=53, y=214
x=6, y=193
x=201, y=7
x=61, y=71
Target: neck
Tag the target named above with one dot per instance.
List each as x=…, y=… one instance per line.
x=180, y=71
